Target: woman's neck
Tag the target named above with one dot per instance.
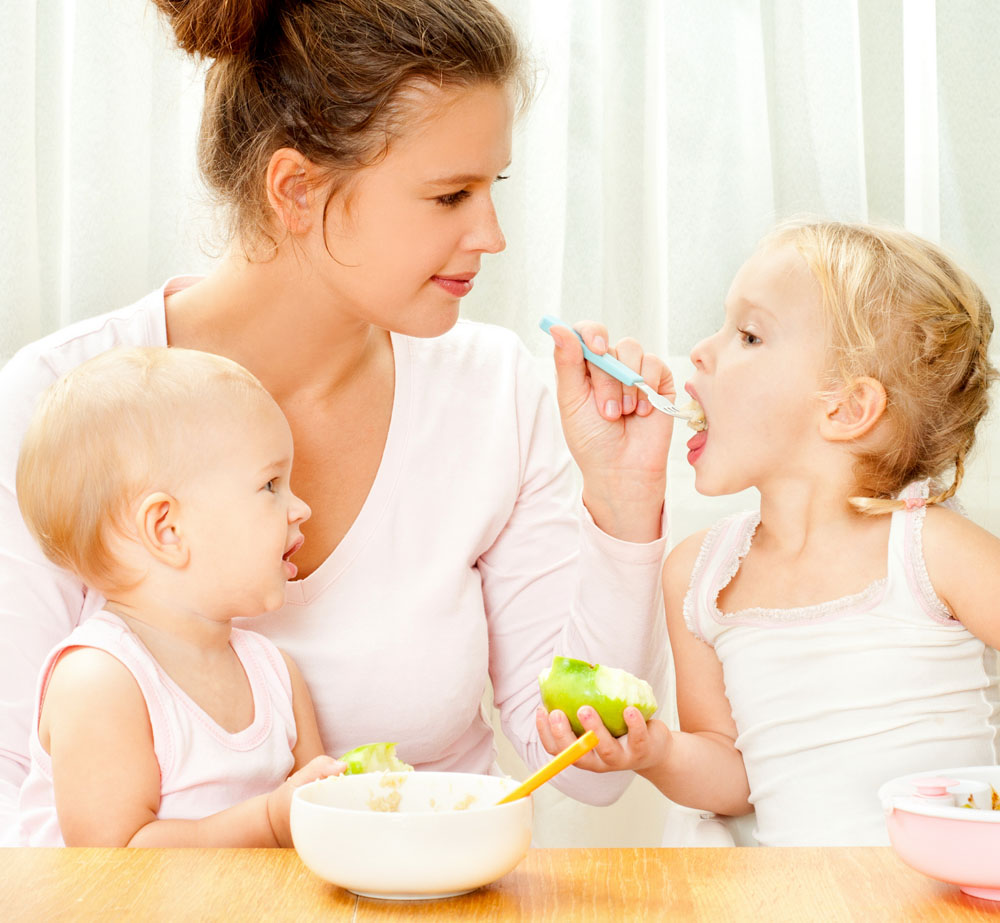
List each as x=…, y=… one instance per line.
x=276, y=321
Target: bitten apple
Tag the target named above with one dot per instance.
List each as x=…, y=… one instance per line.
x=373, y=758
x=568, y=684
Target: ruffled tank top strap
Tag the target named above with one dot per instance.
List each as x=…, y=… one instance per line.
x=907, y=570
x=724, y=547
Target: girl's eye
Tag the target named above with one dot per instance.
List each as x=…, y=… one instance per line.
x=453, y=198
x=748, y=338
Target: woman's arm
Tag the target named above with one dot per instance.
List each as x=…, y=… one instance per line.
x=617, y=439
x=554, y=582
x=40, y=604
x=307, y=743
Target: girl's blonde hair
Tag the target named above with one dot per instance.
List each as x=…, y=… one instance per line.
x=327, y=78
x=900, y=311
x=110, y=431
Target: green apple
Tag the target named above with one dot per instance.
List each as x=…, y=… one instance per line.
x=568, y=684
x=372, y=758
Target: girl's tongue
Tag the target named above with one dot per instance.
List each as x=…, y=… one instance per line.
x=696, y=445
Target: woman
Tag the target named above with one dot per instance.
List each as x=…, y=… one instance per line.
x=355, y=143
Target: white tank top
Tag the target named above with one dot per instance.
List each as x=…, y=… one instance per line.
x=831, y=700
x=203, y=767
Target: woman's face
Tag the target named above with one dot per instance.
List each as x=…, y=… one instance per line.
x=408, y=234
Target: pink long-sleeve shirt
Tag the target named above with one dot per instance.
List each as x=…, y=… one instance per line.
x=471, y=558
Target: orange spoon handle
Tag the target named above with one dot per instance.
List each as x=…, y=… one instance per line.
x=570, y=755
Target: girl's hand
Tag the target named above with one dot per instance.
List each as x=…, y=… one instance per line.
x=618, y=440
x=279, y=802
x=646, y=745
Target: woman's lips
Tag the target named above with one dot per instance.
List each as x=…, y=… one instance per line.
x=456, y=286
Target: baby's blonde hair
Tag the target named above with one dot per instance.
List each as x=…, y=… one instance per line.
x=900, y=311
x=110, y=431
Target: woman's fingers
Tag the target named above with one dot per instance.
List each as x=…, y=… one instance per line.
x=656, y=374
x=579, y=380
x=608, y=391
x=630, y=352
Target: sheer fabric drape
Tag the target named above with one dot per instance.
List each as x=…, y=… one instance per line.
x=665, y=137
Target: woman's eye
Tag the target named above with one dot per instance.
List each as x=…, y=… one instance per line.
x=453, y=198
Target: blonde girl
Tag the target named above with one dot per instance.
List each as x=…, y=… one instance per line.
x=843, y=634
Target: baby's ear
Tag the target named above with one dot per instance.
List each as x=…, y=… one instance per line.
x=158, y=527
x=854, y=410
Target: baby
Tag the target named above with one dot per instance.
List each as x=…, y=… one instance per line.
x=160, y=477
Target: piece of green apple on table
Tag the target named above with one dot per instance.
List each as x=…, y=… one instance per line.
x=373, y=758
x=569, y=684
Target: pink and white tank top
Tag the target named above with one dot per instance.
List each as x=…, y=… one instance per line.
x=203, y=767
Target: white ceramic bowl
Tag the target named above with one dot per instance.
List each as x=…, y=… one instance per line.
x=945, y=841
x=410, y=835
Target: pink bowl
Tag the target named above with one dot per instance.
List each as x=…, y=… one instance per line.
x=954, y=844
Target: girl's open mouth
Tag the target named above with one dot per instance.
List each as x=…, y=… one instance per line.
x=696, y=416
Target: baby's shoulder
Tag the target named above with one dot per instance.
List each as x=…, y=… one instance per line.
x=91, y=679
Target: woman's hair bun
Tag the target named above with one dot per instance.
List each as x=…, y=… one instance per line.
x=217, y=28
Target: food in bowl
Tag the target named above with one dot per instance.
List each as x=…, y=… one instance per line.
x=569, y=684
x=371, y=758
x=948, y=829
x=410, y=835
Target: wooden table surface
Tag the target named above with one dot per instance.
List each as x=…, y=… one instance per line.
x=804, y=884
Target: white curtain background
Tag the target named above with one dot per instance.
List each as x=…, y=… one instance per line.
x=666, y=136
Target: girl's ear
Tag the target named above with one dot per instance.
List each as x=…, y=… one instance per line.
x=853, y=411
x=158, y=528
x=289, y=183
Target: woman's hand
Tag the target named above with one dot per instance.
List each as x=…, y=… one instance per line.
x=618, y=439
x=645, y=746
x=279, y=802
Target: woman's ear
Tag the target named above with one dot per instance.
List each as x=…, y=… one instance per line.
x=157, y=525
x=289, y=185
x=854, y=410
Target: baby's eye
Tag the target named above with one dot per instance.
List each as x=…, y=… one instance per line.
x=272, y=485
x=452, y=199
x=749, y=339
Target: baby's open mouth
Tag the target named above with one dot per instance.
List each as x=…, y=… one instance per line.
x=696, y=416
x=295, y=547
